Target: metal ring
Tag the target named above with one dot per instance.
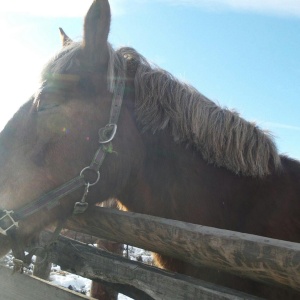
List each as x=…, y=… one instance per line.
x=89, y=168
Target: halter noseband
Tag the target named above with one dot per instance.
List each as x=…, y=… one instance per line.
x=9, y=218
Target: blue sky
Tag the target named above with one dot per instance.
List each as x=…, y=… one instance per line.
x=242, y=54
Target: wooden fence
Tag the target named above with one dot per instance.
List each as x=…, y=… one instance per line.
x=262, y=259
x=132, y=278
x=259, y=258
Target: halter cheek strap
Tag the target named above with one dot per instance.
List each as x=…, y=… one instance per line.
x=9, y=218
x=106, y=135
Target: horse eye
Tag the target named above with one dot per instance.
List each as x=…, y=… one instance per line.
x=86, y=85
x=47, y=106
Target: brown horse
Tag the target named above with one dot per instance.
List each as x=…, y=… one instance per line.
x=174, y=153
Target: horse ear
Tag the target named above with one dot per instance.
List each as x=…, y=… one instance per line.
x=96, y=30
x=64, y=38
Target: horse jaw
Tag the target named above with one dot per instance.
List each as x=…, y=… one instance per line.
x=26, y=173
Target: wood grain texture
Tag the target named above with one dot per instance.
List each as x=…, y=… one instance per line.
x=259, y=258
x=93, y=263
x=25, y=287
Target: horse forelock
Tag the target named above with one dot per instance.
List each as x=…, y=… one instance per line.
x=223, y=138
x=66, y=61
x=62, y=62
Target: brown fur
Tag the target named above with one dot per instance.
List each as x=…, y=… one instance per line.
x=198, y=178
x=223, y=138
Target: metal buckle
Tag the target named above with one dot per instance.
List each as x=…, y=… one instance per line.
x=8, y=221
x=91, y=169
x=80, y=208
x=107, y=133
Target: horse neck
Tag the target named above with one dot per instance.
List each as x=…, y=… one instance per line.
x=173, y=181
x=168, y=179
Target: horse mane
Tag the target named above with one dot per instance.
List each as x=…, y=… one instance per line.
x=222, y=137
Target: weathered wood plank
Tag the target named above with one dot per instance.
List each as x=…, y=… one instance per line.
x=93, y=263
x=25, y=287
x=259, y=258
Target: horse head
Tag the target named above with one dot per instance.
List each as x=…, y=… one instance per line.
x=55, y=135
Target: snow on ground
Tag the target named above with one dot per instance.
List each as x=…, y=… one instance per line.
x=123, y=297
x=78, y=283
x=71, y=281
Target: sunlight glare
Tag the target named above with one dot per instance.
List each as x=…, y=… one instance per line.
x=20, y=69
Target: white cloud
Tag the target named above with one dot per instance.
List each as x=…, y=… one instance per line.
x=280, y=7
x=19, y=76
x=280, y=125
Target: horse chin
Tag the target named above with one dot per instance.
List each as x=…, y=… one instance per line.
x=4, y=245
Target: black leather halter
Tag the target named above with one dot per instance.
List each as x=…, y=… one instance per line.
x=9, y=218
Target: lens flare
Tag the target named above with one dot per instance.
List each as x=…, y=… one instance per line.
x=65, y=130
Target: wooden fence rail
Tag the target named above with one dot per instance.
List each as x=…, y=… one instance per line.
x=155, y=283
x=262, y=259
